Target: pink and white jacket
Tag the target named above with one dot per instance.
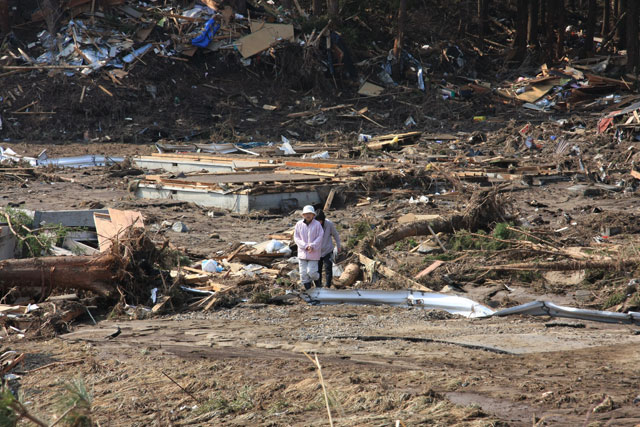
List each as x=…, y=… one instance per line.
x=307, y=235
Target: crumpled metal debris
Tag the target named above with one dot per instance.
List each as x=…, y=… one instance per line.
x=8, y=155
x=459, y=305
x=544, y=308
x=406, y=298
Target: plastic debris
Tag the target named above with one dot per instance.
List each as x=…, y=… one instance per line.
x=211, y=266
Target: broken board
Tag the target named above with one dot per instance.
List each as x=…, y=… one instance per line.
x=263, y=39
x=370, y=89
x=109, y=227
x=411, y=217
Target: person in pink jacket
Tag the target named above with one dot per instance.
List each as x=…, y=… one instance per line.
x=308, y=236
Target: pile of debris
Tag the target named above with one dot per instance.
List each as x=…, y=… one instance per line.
x=567, y=89
x=90, y=41
x=102, y=254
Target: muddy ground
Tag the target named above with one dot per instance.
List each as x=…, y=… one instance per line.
x=245, y=365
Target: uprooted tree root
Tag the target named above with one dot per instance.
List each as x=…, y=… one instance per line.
x=130, y=265
x=485, y=207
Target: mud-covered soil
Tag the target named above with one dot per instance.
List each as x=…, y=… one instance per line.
x=246, y=365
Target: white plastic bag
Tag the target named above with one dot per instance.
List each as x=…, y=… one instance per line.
x=274, y=246
x=211, y=266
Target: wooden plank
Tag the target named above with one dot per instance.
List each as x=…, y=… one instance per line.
x=318, y=111
x=429, y=269
x=126, y=219
x=327, y=203
x=20, y=309
x=263, y=39
x=635, y=174
x=306, y=172
x=414, y=134
x=109, y=227
x=213, y=300
x=537, y=90
x=235, y=252
x=411, y=217
x=160, y=305
x=105, y=229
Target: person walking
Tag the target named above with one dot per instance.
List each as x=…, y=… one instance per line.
x=308, y=236
x=326, y=254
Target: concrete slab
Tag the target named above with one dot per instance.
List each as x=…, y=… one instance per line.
x=7, y=243
x=240, y=203
x=71, y=218
x=182, y=166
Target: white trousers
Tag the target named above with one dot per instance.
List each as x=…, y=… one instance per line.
x=308, y=271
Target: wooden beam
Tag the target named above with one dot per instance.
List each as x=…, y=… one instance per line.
x=327, y=203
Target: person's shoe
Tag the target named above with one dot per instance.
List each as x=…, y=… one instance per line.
x=307, y=286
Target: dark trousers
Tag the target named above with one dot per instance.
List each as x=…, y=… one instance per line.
x=326, y=264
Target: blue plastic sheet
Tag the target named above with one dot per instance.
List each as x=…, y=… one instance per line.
x=206, y=36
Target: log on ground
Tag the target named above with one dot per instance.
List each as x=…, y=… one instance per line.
x=89, y=273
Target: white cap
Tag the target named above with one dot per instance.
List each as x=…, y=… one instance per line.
x=308, y=209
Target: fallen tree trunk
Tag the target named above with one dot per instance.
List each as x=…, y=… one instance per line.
x=566, y=265
x=349, y=276
x=484, y=208
x=418, y=228
x=89, y=273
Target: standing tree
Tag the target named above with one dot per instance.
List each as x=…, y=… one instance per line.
x=520, y=43
x=333, y=8
x=402, y=18
x=316, y=7
x=632, y=8
x=532, y=26
x=560, y=12
x=606, y=17
x=591, y=27
x=621, y=31
x=4, y=17
x=483, y=15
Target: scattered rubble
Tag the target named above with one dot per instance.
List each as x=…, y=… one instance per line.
x=156, y=156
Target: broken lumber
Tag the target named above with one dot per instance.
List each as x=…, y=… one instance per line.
x=160, y=304
x=392, y=140
x=89, y=273
x=329, y=201
x=429, y=269
x=390, y=274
